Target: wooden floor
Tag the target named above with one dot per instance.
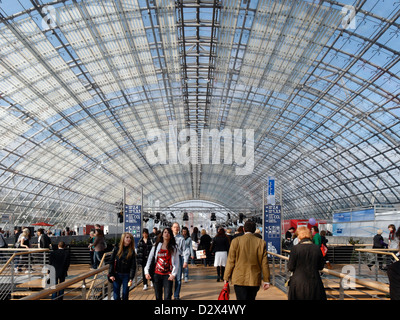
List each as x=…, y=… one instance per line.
x=203, y=285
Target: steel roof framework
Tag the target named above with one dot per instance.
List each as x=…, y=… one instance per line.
x=80, y=94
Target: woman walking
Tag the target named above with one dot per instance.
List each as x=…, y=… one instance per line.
x=220, y=247
x=123, y=266
x=305, y=261
x=195, y=243
x=144, y=247
x=166, y=258
x=23, y=243
x=205, y=244
x=99, y=246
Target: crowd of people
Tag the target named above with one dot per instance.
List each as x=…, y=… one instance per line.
x=241, y=258
x=308, y=257
x=165, y=256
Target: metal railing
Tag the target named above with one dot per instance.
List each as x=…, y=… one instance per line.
x=24, y=267
x=92, y=285
x=338, y=285
x=20, y=266
x=375, y=260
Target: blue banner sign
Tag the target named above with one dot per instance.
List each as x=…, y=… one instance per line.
x=272, y=228
x=341, y=217
x=271, y=191
x=133, y=221
x=363, y=215
x=359, y=215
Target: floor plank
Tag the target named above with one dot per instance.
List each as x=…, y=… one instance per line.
x=203, y=285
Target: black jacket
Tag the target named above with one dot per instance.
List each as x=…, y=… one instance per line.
x=122, y=265
x=220, y=244
x=393, y=272
x=143, y=251
x=378, y=242
x=205, y=242
x=45, y=241
x=305, y=261
x=60, y=259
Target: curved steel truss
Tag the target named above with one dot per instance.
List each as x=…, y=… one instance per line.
x=86, y=87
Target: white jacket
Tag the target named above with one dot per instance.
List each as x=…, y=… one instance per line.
x=153, y=255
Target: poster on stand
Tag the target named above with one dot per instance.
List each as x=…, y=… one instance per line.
x=133, y=221
x=272, y=228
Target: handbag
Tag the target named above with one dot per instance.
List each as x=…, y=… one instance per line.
x=324, y=249
x=224, y=294
x=201, y=254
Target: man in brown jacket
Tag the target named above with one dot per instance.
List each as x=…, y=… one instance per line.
x=247, y=259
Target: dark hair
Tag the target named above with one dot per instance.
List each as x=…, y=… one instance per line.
x=41, y=230
x=240, y=229
x=100, y=232
x=249, y=226
x=61, y=244
x=195, y=234
x=145, y=230
x=221, y=232
x=315, y=228
x=186, y=228
x=171, y=244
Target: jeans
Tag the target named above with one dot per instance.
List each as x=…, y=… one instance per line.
x=121, y=279
x=186, y=273
x=92, y=264
x=161, y=282
x=145, y=281
x=97, y=258
x=178, y=279
x=59, y=295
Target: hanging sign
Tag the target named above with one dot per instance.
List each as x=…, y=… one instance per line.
x=271, y=191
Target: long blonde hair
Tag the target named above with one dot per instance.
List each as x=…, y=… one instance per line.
x=131, y=249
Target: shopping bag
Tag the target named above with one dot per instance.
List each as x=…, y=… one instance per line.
x=324, y=249
x=201, y=254
x=224, y=294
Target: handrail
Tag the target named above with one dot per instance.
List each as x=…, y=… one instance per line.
x=23, y=252
x=95, y=277
x=366, y=283
x=349, y=245
x=64, y=285
x=381, y=251
x=279, y=255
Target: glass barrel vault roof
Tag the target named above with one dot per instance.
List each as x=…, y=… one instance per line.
x=84, y=83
